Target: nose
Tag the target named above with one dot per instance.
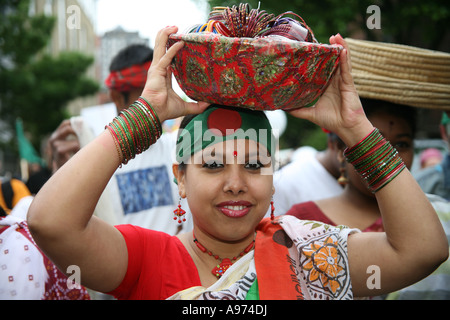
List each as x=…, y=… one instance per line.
x=235, y=182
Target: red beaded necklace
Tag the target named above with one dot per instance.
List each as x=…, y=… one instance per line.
x=225, y=263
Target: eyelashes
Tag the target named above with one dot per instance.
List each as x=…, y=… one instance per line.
x=251, y=165
x=212, y=165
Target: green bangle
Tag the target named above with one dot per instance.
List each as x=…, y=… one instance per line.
x=376, y=160
x=135, y=129
x=148, y=105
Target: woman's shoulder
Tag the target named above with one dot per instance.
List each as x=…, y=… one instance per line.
x=310, y=225
x=142, y=238
x=309, y=211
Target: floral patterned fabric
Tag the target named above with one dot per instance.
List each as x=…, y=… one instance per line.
x=266, y=73
x=317, y=257
x=301, y=260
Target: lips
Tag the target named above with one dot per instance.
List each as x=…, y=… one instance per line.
x=234, y=209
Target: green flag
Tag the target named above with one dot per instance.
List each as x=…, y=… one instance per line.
x=26, y=150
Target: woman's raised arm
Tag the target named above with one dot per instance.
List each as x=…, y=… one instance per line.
x=60, y=218
x=61, y=222
x=414, y=242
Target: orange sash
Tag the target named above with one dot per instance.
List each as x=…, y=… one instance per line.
x=276, y=275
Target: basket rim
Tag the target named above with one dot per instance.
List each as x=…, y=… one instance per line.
x=200, y=37
x=394, y=48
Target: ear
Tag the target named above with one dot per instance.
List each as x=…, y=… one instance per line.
x=180, y=176
x=340, y=155
x=117, y=98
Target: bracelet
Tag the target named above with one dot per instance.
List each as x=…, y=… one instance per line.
x=376, y=160
x=135, y=129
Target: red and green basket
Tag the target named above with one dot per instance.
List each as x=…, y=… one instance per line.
x=261, y=73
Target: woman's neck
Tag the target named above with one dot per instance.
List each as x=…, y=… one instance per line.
x=208, y=253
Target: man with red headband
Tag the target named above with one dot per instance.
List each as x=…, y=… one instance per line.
x=128, y=73
x=127, y=196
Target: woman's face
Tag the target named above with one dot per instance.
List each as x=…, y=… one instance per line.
x=229, y=190
x=398, y=132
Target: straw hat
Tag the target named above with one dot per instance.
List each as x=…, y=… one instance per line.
x=401, y=74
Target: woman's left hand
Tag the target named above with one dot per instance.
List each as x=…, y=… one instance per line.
x=339, y=109
x=158, y=88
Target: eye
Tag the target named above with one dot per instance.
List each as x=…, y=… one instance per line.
x=212, y=165
x=403, y=145
x=254, y=165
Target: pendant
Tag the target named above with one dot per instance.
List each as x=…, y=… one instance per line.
x=179, y=213
x=220, y=269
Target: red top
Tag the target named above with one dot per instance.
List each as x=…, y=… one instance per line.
x=168, y=266
x=310, y=211
x=160, y=266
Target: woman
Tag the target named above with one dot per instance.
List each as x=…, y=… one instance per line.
x=357, y=207
x=228, y=201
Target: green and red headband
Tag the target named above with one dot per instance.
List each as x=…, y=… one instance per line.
x=219, y=124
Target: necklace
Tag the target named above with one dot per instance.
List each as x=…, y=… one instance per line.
x=225, y=263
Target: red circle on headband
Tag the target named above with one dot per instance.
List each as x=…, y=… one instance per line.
x=221, y=120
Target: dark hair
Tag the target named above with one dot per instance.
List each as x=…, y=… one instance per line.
x=131, y=55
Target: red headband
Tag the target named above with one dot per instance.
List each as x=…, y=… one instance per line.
x=129, y=78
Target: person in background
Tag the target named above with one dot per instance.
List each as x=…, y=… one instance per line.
x=436, y=179
x=14, y=197
x=356, y=206
x=312, y=175
x=430, y=157
x=25, y=272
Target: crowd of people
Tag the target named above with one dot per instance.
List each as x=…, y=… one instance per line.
x=150, y=214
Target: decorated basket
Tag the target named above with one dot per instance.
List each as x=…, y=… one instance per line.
x=261, y=73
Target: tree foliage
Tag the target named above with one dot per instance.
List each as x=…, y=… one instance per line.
x=424, y=24
x=35, y=86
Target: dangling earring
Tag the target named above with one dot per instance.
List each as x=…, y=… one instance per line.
x=179, y=213
x=272, y=210
x=342, y=180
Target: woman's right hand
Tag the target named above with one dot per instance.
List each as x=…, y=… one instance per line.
x=339, y=109
x=158, y=88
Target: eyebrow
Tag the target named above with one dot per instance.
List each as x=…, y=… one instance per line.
x=402, y=135
x=407, y=135
x=247, y=155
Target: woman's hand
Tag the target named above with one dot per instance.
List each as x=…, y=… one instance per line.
x=339, y=109
x=158, y=88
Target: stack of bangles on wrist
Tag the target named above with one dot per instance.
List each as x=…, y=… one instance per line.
x=135, y=129
x=376, y=160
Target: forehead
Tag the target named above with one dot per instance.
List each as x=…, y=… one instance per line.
x=390, y=124
x=237, y=147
